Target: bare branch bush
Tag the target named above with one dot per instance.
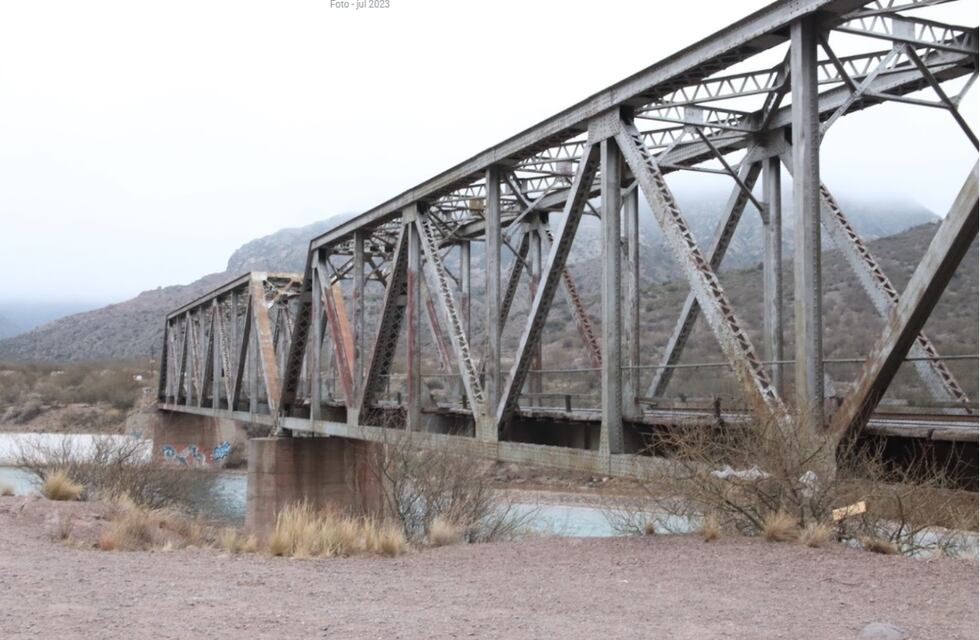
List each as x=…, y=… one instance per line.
x=113, y=467
x=421, y=485
x=744, y=476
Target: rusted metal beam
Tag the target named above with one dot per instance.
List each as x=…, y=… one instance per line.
x=731, y=215
x=266, y=354
x=434, y=273
x=956, y=233
x=339, y=333
x=718, y=311
x=554, y=267
x=389, y=326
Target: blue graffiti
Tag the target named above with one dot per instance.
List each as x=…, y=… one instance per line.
x=221, y=451
x=191, y=455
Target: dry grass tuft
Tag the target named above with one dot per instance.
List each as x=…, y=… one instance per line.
x=779, y=526
x=137, y=528
x=816, y=534
x=443, y=532
x=6, y=490
x=233, y=541
x=58, y=486
x=304, y=532
x=711, y=528
x=391, y=541
x=879, y=545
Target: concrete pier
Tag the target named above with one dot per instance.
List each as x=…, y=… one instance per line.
x=193, y=440
x=327, y=472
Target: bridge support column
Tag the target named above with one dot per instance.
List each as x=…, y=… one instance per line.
x=773, y=273
x=611, y=435
x=806, y=240
x=326, y=472
x=191, y=440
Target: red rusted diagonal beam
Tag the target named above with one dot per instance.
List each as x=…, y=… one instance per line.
x=267, y=348
x=340, y=333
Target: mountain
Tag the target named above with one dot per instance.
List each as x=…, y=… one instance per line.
x=18, y=316
x=133, y=329
x=8, y=328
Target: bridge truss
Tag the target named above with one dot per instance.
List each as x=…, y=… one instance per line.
x=342, y=348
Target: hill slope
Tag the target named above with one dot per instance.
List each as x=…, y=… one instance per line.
x=133, y=328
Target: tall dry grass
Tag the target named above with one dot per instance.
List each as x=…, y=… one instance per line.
x=136, y=527
x=302, y=531
x=58, y=485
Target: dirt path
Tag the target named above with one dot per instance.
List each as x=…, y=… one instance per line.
x=663, y=587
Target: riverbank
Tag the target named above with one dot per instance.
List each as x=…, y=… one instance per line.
x=659, y=586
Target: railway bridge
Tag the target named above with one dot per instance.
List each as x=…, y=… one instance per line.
x=429, y=314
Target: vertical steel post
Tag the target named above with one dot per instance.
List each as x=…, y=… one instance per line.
x=611, y=435
x=465, y=294
x=358, y=313
x=413, y=309
x=253, y=369
x=772, y=271
x=631, y=231
x=235, y=333
x=465, y=286
x=316, y=387
x=488, y=430
x=534, y=261
x=806, y=234
x=215, y=355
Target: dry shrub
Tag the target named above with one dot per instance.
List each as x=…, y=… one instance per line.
x=780, y=527
x=879, y=545
x=442, y=532
x=752, y=476
x=304, y=532
x=711, y=528
x=59, y=486
x=816, y=534
x=116, y=466
x=421, y=484
x=134, y=527
x=6, y=490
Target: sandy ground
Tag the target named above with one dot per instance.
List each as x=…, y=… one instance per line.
x=663, y=587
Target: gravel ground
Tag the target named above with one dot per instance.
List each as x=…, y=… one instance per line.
x=662, y=587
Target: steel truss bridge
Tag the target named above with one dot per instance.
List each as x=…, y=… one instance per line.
x=342, y=348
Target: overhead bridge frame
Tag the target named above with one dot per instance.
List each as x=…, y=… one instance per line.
x=340, y=348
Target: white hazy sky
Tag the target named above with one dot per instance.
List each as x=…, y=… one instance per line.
x=142, y=142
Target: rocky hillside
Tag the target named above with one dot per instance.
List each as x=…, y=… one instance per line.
x=133, y=329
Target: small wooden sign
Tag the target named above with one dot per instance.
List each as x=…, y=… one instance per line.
x=851, y=510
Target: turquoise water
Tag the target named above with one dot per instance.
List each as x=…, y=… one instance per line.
x=227, y=502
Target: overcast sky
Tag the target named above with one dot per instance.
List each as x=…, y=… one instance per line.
x=142, y=142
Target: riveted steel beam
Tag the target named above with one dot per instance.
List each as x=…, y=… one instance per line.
x=553, y=269
x=956, y=233
x=724, y=232
x=711, y=298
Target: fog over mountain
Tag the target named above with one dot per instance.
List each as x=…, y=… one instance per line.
x=133, y=328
